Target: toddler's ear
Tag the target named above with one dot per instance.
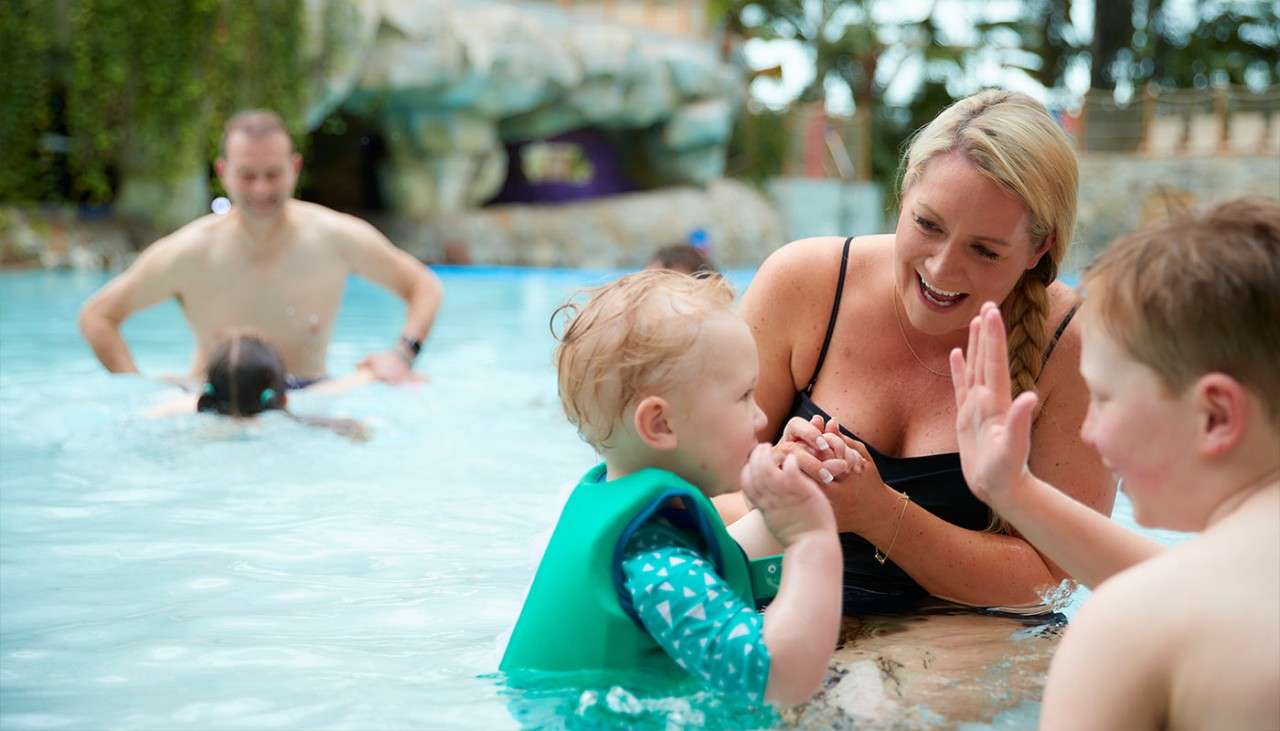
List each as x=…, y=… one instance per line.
x=1224, y=411
x=651, y=423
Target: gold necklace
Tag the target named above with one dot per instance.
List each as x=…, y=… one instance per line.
x=907, y=340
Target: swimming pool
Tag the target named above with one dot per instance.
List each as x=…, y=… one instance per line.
x=183, y=573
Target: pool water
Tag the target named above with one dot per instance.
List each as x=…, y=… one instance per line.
x=189, y=572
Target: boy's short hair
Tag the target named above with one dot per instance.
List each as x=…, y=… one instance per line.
x=1197, y=294
x=628, y=342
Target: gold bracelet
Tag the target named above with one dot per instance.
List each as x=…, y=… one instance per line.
x=884, y=556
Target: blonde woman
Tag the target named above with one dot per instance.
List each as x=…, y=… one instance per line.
x=858, y=331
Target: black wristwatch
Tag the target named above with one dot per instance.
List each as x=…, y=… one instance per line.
x=411, y=345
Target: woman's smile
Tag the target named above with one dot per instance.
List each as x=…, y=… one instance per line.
x=937, y=298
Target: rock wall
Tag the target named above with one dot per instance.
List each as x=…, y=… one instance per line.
x=1119, y=193
x=452, y=81
x=740, y=225
x=741, y=228
x=828, y=207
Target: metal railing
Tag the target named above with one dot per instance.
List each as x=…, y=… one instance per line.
x=673, y=17
x=1227, y=120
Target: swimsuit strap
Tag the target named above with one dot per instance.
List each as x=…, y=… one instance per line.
x=1062, y=326
x=835, y=310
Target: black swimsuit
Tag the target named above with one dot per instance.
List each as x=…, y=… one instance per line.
x=933, y=481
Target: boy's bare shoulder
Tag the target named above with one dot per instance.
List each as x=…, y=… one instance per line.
x=1111, y=670
x=1137, y=602
x=1190, y=582
x=1178, y=617
x=1156, y=610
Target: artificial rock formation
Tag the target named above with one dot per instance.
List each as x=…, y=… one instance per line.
x=452, y=82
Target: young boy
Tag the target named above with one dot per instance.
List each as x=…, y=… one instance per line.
x=1182, y=356
x=657, y=373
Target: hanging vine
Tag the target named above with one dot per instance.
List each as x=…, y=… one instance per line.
x=135, y=95
x=150, y=81
x=259, y=47
x=27, y=29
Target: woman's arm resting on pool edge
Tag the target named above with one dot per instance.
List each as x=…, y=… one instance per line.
x=972, y=567
x=1088, y=545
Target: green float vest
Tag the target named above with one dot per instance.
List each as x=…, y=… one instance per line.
x=574, y=617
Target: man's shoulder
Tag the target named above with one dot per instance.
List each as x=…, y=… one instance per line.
x=201, y=229
x=322, y=228
x=327, y=220
x=189, y=241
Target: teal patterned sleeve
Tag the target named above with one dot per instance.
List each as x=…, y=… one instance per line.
x=693, y=614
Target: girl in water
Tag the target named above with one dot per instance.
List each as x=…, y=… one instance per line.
x=246, y=377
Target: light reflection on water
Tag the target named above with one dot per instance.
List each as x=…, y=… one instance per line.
x=193, y=573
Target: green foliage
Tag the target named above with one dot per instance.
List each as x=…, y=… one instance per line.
x=850, y=47
x=136, y=79
x=26, y=54
x=1237, y=43
x=840, y=36
x=146, y=84
x=1141, y=41
x=258, y=44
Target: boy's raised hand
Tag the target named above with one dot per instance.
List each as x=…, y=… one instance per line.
x=994, y=430
x=789, y=501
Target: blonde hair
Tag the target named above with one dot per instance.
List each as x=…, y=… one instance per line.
x=1012, y=139
x=1198, y=294
x=629, y=340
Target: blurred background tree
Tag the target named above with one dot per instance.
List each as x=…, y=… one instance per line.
x=854, y=46
x=848, y=47
x=122, y=100
x=866, y=45
x=27, y=55
x=1225, y=42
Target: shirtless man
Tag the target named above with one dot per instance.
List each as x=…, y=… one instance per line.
x=273, y=263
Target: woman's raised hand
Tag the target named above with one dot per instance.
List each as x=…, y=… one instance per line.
x=994, y=430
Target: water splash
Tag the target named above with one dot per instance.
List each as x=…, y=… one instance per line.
x=1058, y=598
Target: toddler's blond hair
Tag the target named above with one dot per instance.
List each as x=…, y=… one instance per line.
x=631, y=339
